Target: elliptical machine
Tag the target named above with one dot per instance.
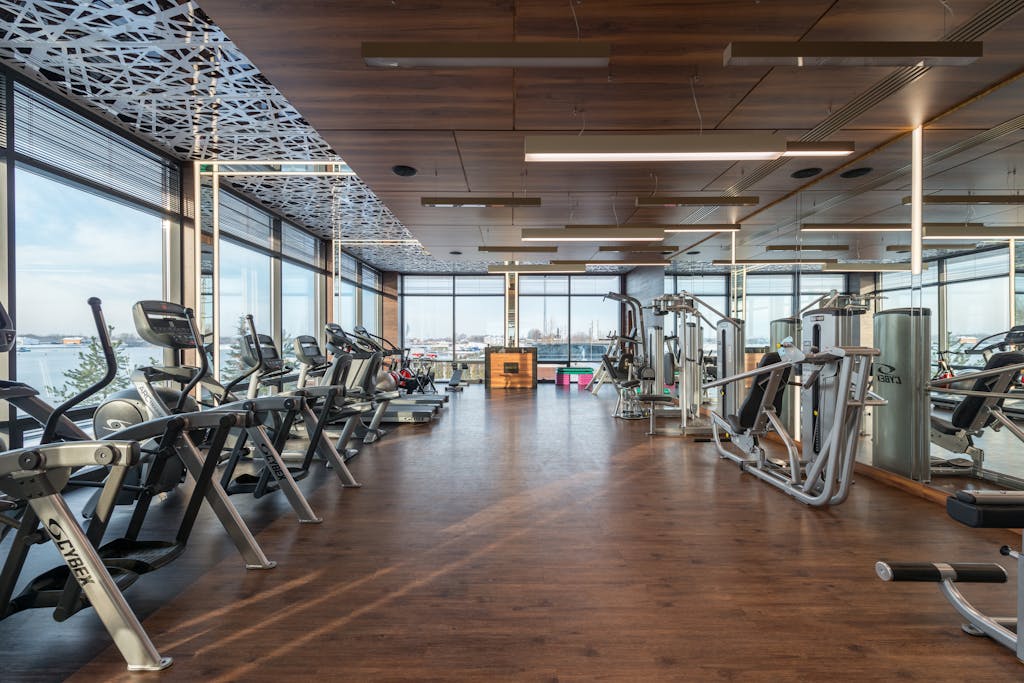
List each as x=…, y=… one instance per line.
x=172, y=326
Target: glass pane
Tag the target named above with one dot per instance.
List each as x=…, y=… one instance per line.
x=348, y=267
x=479, y=323
x=300, y=244
x=896, y=280
x=479, y=284
x=298, y=306
x=769, y=284
x=428, y=326
x=427, y=284
x=594, y=284
x=544, y=323
x=975, y=310
x=820, y=283
x=544, y=284
x=991, y=263
x=371, y=310
x=70, y=245
x=370, y=277
x=593, y=320
x=902, y=298
x=697, y=284
x=244, y=288
x=761, y=311
x=345, y=305
x=244, y=220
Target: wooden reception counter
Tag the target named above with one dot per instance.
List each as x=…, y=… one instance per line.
x=510, y=367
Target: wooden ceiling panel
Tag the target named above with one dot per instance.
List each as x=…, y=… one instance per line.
x=373, y=153
x=801, y=97
x=463, y=130
x=781, y=180
x=494, y=163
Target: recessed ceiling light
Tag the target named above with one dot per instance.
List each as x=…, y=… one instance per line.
x=805, y=173
x=565, y=54
x=856, y=172
x=471, y=202
x=806, y=53
x=403, y=171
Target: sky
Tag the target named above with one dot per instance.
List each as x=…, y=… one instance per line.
x=71, y=245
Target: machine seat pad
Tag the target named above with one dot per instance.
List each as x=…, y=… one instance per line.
x=655, y=398
x=943, y=426
x=629, y=384
x=985, y=516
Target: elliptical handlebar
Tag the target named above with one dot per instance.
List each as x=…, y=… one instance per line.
x=259, y=358
x=110, y=359
x=204, y=362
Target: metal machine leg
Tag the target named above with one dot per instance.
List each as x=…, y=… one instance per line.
x=105, y=597
x=225, y=510
x=279, y=470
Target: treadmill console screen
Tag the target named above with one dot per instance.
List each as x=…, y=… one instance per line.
x=164, y=324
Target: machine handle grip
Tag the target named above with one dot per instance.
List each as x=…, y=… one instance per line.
x=965, y=572
x=110, y=360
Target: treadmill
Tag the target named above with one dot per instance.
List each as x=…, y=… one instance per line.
x=362, y=380
x=388, y=350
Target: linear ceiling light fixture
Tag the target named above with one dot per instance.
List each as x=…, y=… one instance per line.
x=539, y=268
x=905, y=248
x=769, y=262
x=807, y=247
x=879, y=227
x=633, y=248
x=669, y=202
x=972, y=232
x=645, y=148
x=704, y=227
x=511, y=249
x=637, y=261
x=852, y=53
x=970, y=199
x=564, y=54
x=868, y=267
x=376, y=243
x=591, y=235
x=471, y=202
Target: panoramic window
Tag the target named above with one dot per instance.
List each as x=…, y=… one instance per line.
x=298, y=306
x=68, y=242
x=244, y=289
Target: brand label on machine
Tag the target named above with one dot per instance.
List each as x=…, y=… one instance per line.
x=886, y=374
x=70, y=554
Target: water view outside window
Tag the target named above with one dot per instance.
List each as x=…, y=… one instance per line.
x=298, y=306
x=72, y=244
x=244, y=288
